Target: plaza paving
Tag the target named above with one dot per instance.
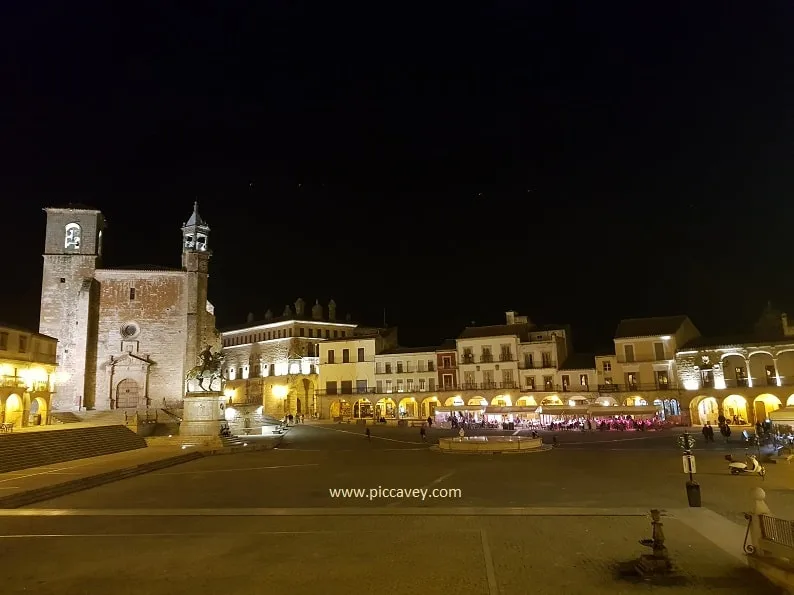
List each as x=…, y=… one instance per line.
x=548, y=522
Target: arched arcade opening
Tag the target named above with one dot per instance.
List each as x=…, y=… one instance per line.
x=734, y=408
x=704, y=409
x=765, y=404
x=38, y=412
x=13, y=410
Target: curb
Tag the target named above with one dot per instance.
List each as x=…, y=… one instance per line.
x=86, y=483
x=543, y=448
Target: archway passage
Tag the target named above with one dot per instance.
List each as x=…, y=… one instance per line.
x=763, y=405
x=129, y=395
x=299, y=406
x=502, y=401
x=635, y=401
x=363, y=408
x=734, y=408
x=408, y=407
x=341, y=408
x=429, y=406
x=385, y=408
x=705, y=410
x=38, y=411
x=13, y=411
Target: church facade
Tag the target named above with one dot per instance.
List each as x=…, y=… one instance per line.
x=126, y=337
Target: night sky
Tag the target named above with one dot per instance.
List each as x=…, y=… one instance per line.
x=578, y=162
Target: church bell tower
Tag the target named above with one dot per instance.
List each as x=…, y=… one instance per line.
x=195, y=262
x=70, y=299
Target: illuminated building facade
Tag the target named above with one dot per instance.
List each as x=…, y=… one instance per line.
x=642, y=371
x=274, y=363
x=498, y=369
x=742, y=378
x=27, y=376
x=126, y=337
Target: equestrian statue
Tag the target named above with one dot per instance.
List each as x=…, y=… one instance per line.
x=208, y=369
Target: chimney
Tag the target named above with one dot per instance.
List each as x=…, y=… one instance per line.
x=332, y=310
x=510, y=315
x=300, y=307
x=250, y=318
x=317, y=311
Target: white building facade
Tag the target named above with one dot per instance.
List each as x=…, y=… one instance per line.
x=274, y=363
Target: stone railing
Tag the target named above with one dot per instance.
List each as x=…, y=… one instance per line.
x=769, y=543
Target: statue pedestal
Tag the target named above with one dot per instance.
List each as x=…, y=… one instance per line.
x=202, y=414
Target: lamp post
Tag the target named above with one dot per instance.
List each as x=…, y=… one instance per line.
x=687, y=443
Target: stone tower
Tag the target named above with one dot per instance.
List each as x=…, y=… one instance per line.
x=70, y=299
x=195, y=261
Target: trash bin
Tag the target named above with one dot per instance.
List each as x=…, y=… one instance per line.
x=693, y=494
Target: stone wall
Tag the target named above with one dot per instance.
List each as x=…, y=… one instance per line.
x=67, y=305
x=158, y=312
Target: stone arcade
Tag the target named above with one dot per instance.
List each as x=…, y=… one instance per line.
x=127, y=337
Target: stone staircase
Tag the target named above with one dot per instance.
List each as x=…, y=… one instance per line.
x=35, y=449
x=64, y=417
x=97, y=418
x=232, y=441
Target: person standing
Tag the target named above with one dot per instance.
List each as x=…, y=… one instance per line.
x=423, y=433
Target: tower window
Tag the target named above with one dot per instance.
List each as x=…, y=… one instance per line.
x=72, y=236
x=63, y=279
x=132, y=293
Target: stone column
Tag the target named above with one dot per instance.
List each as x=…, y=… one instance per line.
x=777, y=371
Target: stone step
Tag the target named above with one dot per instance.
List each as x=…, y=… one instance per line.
x=64, y=417
x=36, y=449
x=68, y=487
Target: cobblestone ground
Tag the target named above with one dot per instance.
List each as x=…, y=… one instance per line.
x=397, y=555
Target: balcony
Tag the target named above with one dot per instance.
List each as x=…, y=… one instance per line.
x=12, y=382
x=347, y=363
x=533, y=365
x=429, y=370
x=637, y=387
x=461, y=388
x=486, y=359
x=642, y=360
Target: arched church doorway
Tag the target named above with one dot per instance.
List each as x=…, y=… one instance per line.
x=129, y=395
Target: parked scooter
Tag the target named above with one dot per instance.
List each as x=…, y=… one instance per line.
x=750, y=466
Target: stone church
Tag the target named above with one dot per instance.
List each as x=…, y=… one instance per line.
x=126, y=337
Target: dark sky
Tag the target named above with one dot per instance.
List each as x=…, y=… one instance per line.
x=579, y=162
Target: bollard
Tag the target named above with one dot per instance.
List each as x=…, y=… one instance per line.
x=693, y=494
x=692, y=487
